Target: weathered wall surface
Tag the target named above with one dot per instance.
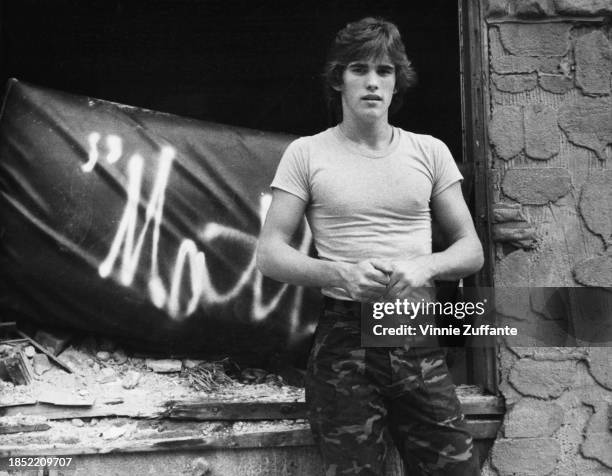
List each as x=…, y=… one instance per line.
x=550, y=132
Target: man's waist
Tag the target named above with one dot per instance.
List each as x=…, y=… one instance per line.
x=350, y=309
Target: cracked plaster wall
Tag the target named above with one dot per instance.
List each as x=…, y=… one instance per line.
x=550, y=134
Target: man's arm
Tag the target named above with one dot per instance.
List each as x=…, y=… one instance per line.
x=278, y=260
x=463, y=257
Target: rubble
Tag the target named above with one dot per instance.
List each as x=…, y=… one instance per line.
x=16, y=368
x=253, y=375
x=105, y=433
x=22, y=424
x=107, y=424
x=107, y=375
x=103, y=355
x=92, y=405
x=208, y=376
x=5, y=349
x=113, y=433
x=11, y=395
x=191, y=363
x=113, y=401
x=62, y=397
x=78, y=422
x=12, y=328
x=41, y=364
x=130, y=380
x=73, y=361
x=119, y=356
x=137, y=361
x=201, y=467
x=164, y=365
x=55, y=342
x=119, y=429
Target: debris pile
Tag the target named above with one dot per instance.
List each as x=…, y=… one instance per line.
x=208, y=376
x=58, y=388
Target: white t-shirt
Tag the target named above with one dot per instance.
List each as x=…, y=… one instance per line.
x=364, y=204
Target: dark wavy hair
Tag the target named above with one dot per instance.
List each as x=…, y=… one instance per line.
x=365, y=39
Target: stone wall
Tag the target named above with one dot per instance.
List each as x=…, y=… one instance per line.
x=550, y=131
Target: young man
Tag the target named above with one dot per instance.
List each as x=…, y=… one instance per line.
x=367, y=189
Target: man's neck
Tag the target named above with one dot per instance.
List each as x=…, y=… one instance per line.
x=375, y=136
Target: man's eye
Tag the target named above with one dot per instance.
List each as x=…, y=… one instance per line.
x=358, y=69
x=385, y=71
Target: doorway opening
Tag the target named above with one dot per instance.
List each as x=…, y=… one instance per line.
x=247, y=64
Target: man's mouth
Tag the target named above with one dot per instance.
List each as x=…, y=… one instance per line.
x=371, y=97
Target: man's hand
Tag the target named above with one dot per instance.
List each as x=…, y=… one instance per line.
x=366, y=280
x=410, y=273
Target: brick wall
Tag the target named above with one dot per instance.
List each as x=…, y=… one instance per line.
x=550, y=131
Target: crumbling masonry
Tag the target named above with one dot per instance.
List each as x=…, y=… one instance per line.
x=550, y=131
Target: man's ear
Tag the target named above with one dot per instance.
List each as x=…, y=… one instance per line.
x=337, y=87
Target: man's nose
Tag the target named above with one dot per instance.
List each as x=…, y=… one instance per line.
x=372, y=81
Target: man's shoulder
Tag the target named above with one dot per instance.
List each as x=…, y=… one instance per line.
x=322, y=136
x=306, y=145
x=421, y=140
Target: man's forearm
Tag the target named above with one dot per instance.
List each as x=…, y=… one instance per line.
x=280, y=261
x=461, y=259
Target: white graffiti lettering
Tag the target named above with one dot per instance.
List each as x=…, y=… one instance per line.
x=203, y=290
x=114, y=144
x=124, y=237
x=93, y=140
x=197, y=263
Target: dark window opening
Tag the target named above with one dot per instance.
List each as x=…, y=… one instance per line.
x=249, y=64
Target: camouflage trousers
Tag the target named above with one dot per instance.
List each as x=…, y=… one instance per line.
x=358, y=397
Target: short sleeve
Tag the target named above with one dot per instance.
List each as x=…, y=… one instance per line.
x=445, y=170
x=292, y=172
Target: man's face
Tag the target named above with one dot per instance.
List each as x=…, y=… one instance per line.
x=367, y=89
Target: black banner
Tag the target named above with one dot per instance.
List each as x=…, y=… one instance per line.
x=142, y=226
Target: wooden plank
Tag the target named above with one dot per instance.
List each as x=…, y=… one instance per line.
x=475, y=405
x=13, y=341
x=52, y=357
x=474, y=95
x=472, y=405
x=66, y=400
x=475, y=101
x=270, y=439
x=483, y=429
x=7, y=429
x=482, y=405
x=559, y=19
x=58, y=412
x=9, y=402
x=207, y=410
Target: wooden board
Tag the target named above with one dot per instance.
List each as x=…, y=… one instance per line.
x=268, y=439
x=473, y=405
x=483, y=429
x=8, y=429
x=206, y=410
x=300, y=437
